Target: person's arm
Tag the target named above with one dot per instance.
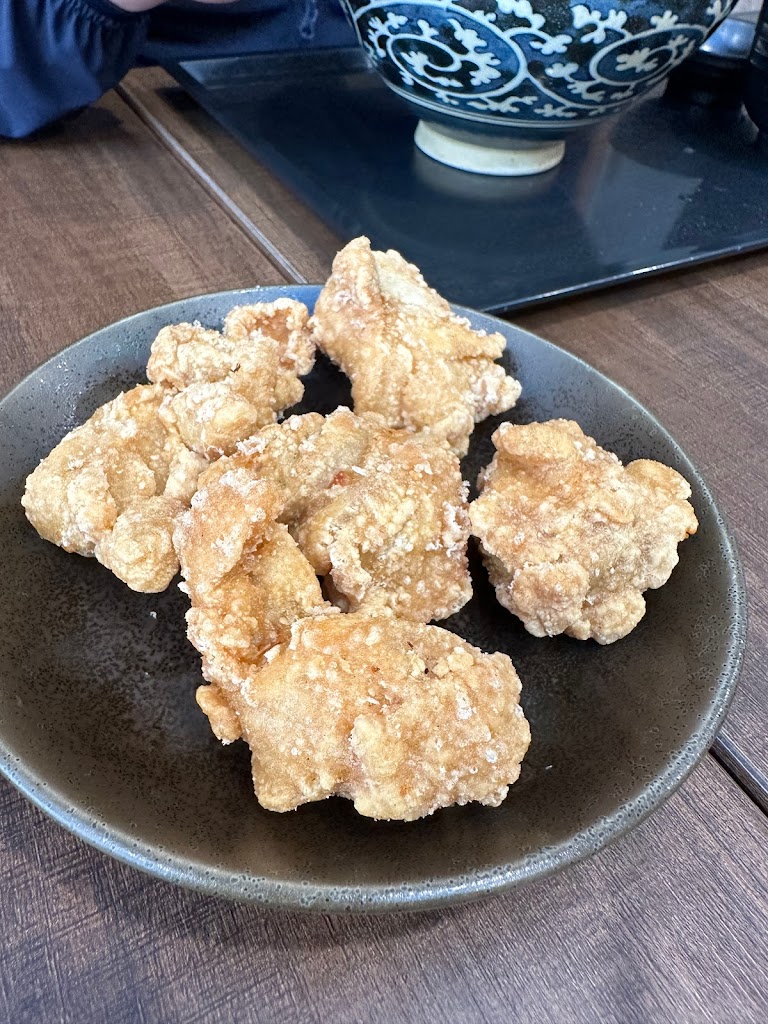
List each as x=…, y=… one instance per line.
x=59, y=55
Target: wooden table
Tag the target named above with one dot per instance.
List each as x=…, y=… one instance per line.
x=142, y=200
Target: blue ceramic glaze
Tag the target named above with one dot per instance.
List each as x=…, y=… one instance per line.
x=528, y=68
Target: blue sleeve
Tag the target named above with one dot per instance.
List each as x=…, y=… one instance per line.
x=59, y=55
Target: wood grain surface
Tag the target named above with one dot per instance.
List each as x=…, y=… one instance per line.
x=99, y=224
x=265, y=207
x=669, y=924
x=692, y=346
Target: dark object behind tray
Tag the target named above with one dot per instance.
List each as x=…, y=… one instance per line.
x=756, y=89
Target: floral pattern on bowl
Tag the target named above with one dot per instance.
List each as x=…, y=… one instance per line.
x=517, y=64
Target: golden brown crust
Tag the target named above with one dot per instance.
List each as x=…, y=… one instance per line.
x=246, y=578
x=381, y=513
x=227, y=385
x=113, y=487
x=572, y=538
x=399, y=717
x=409, y=357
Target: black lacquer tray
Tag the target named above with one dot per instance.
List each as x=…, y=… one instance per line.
x=662, y=185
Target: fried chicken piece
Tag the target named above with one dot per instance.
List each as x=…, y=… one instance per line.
x=381, y=513
x=113, y=487
x=227, y=385
x=399, y=717
x=409, y=357
x=245, y=576
x=570, y=537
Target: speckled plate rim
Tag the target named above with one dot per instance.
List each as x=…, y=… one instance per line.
x=426, y=895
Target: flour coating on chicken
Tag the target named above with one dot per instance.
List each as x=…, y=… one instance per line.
x=410, y=358
x=399, y=717
x=380, y=513
x=571, y=537
x=113, y=487
x=226, y=385
x=246, y=578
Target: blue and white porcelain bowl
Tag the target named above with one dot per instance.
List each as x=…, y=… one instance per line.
x=498, y=84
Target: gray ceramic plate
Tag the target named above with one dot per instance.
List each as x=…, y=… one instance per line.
x=99, y=727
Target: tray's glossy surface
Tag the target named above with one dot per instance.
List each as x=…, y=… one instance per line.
x=662, y=185
x=98, y=723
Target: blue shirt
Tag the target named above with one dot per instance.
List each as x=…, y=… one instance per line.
x=59, y=55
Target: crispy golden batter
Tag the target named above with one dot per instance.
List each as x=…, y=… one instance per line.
x=399, y=717
x=227, y=385
x=113, y=487
x=245, y=576
x=381, y=513
x=246, y=579
x=409, y=357
x=572, y=538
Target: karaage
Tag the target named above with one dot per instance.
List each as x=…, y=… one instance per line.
x=245, y=576
x=227, y=385
x=409, y=357
x=380, y=513
x=399, y=717
x=570, y=537
x=113, y=487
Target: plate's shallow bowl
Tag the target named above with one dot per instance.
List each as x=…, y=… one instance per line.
x=99, y=727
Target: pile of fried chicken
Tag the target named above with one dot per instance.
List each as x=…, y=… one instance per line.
x=316, y=550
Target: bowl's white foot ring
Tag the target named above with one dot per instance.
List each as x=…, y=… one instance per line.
x=503, y=158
